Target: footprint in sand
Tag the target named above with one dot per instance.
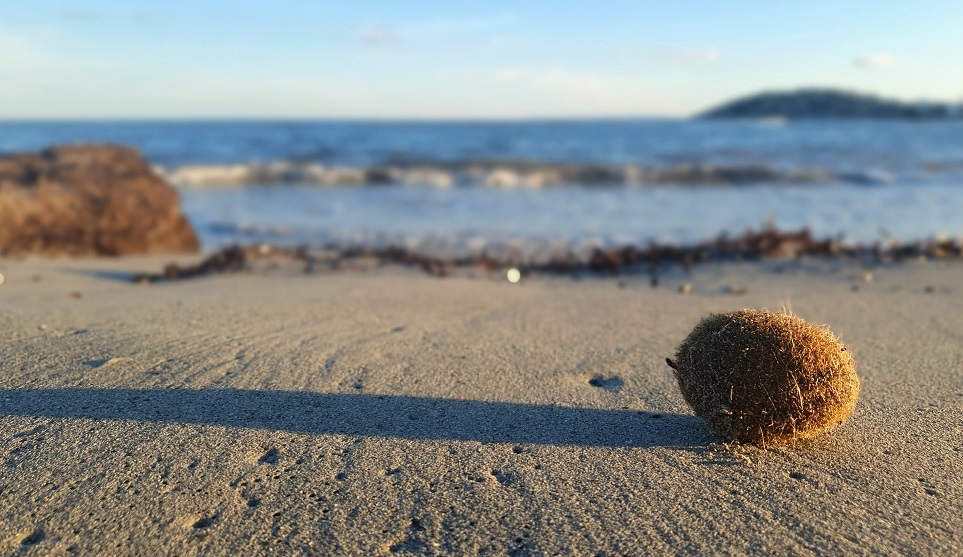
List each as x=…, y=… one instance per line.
x=33, y=538
x=613, y=383
x=270, y=457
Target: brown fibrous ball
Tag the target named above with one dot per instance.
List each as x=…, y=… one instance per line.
x=766, y=378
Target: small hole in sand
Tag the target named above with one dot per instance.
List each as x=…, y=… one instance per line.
x=34, y=538
x=613, y=383
x=204, y=522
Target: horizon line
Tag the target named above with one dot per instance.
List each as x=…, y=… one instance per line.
x=346, y=119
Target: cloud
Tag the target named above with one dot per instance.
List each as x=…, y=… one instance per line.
x=489, y=31
x=554, y=77
x=442, y=26
x=673, y=55
x=689, y=56
x=376, y=34
x=874, y=61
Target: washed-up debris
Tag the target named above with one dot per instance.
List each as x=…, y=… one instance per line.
x=231, y=259
x=766, y=378
x=768, y=242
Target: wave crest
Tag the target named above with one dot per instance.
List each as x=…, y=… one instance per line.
x=502, y=175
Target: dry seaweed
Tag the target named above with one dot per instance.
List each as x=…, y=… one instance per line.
x=766, y=378
x=752, y=245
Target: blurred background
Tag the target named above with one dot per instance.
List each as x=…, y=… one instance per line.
x=466, y=125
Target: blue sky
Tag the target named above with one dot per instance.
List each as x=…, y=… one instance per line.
x=459, y=59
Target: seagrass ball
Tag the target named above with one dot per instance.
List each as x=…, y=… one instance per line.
x=766, y=378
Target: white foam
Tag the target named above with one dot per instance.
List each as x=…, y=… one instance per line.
x=209, y=175
x=504, y=175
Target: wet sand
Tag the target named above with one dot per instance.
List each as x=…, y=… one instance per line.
x=389, y=412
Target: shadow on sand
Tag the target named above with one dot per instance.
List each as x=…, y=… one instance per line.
x=402, y=417
x=104, y=274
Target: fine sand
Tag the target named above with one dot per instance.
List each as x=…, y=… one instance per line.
x=387, y=412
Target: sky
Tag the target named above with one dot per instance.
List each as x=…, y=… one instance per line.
x=456, y=59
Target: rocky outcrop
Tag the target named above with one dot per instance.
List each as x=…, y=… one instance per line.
x=88, y=200
x=830, y=103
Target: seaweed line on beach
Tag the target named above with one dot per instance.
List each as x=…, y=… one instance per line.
x=768, y=242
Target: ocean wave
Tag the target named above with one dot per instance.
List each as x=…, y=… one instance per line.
x=504, y=175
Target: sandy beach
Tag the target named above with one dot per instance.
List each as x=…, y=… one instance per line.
x=388, y=412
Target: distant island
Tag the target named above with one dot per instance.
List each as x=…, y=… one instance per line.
x=830, y=104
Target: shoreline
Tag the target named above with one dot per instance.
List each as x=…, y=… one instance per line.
x=654, y=260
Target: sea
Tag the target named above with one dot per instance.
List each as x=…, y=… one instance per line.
x=465, y=186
